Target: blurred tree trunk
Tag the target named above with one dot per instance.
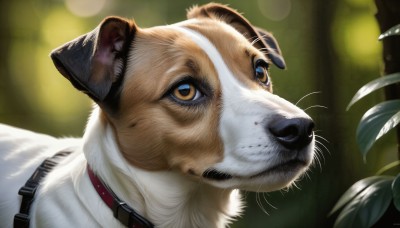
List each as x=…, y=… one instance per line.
x=4, y=45
x=13, y=106
x=388, y=15
x=324, y=63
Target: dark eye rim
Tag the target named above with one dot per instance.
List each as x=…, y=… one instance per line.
x=199, y=85
x=265, y=64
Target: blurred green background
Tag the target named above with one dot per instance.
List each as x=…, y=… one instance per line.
x=330, y=47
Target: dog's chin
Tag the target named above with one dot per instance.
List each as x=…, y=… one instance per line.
x=270, y=179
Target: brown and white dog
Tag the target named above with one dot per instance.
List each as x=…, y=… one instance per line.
x=184, y=117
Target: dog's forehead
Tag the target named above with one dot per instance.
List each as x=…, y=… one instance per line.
x=236, y=51
x=220, y=40
x=234, y=48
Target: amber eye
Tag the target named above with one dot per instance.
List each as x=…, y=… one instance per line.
x=186, y=92
x=261, y=72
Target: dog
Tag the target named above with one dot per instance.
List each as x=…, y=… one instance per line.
x=184, y=119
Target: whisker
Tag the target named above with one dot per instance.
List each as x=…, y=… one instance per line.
x=307, y=95
x=316, y=106
x=265, y=199
x=317, y=160
x=283, y=191
x=320, y=137
x=295, y=185
x=255, y=40
x=321, y=144
x=320, y=153
x=259, y=203
x=318, y=156
x=307, y=175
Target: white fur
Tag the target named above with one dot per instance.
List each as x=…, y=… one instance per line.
x=21, y=153
x=66, y=197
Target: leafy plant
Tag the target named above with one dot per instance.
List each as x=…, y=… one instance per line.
x=364, y=203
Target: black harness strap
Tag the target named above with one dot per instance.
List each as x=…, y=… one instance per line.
x=21, y=220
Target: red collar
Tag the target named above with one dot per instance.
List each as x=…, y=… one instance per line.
x=125, y=214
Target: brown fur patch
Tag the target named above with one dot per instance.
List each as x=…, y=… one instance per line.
x=153, y=131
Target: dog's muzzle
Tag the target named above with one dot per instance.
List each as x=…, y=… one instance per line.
x=290, y=135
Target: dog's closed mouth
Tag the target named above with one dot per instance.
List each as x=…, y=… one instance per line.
x=216, y=175
x=288, y=166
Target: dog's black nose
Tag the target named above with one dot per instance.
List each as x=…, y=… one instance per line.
x=293, y=133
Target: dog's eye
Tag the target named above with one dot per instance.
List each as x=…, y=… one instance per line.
x=261, y=72
x=186, y=92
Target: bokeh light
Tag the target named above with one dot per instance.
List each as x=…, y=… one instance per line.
x=275, y=10
x=357, y=40
x=85, y=8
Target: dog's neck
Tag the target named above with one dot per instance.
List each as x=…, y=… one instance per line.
x=166, y=198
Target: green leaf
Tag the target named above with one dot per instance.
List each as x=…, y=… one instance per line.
x=376, y=122
x=356, y=189
x=390, y=124
x=367, y=207
x=393, y=31
x=388, y=167
x=373, y=86
x=396, y=192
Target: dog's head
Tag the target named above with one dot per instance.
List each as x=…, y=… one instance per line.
x=195, y=97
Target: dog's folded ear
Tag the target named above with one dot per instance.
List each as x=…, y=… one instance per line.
x=261, y=39
x=96, y=61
